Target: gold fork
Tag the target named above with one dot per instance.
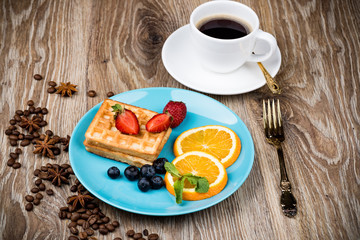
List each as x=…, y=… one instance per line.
x=274, y=133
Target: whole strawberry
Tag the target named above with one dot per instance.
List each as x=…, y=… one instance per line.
x=177, y=110
x=125, y=120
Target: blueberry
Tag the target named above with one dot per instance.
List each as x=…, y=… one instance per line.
x=147, y=171
x=158, y=164
x=156, y=182
x=144, y=184
x=113, y=172
x=132, y=173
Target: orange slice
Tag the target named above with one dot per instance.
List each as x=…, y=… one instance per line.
x=200, y=164
x=219, y=141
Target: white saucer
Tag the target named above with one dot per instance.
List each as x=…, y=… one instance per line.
x=178, y=59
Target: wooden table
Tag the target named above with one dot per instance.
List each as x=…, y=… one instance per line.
x=116, y=46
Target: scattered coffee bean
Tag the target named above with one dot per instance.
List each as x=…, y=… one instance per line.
x=44, y=168
x=85, y=225
x=81, y=210
x=42, y=187
x=73, y=188
x=39, y=196
x=36, y=201
x=12, y=122
x=10, y=162
x=115, y=224
x=89, y=231
x=65, y=165
x=68, y=215
x=49, y=133
x=38, y=110
x=62, y=215
x=95, y=226
x=8, y=132
x=146, y=232
x=72, y=224
x=64, y=209
x=102, y=226
x=13, y=143
x=74, y=230
x=49, y=192
x=29, y=206
x=25, y=142
x=103, y=231
x=110, y=94
x=26, y=113
x=38, y=77
x=35, y=190
x=37, y=172
x=83, y=235
x=44, y=111
x=30, y=103
x=18, y=151
x=130, y=233
x=106, y=219
x=85, y=216
x=52, y=84
x=109, y=227
x=80, y=221
x=118, y=238
x=36, y=134
x=29, y=198
x=43, y=123
x=16, y=165
x=137, y=235
x=91, y=93
x=31, y=109
x=14, y=155
x=17, y=118
x=29, y=137
x=51, y=90
x=92, y=219
x=21, y=136
x=75, y=217
x=13, y=137
x=153, y=236
x=16, y=133
x=73, y=238
x=56, y=151
x=38, y=182
x=19, y=112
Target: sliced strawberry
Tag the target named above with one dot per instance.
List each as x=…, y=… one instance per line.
x=125, y=120
x=177, y=110
x=159, y=123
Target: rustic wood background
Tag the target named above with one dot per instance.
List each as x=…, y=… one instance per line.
x=116, y=46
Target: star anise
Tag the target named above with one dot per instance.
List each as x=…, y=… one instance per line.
x=44, y=147
x=66, y=89
x=65, y=142
x=57, y=176
x=30, y=124
x=79, y=198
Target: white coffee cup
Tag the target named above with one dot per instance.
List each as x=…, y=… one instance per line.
x=226, y=55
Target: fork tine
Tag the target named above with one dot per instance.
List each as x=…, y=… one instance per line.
x=264, y=115
x=274, y=116
x=269, y=115
x=279, y=117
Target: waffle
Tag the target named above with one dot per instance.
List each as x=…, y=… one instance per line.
x=103, y=138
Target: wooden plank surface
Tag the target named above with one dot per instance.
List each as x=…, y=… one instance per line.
x=116, y=46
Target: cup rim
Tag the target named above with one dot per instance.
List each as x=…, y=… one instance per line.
x=192, y=24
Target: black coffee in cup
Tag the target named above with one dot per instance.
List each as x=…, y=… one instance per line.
x=224, y=28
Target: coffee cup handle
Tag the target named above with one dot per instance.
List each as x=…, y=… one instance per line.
x=270, y=40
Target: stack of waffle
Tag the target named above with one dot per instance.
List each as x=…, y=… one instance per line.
x=103, y=138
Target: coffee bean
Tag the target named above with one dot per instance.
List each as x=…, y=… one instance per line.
x=118, y=238
x=102, y=226
x=80, y=221
x=85, y=216
x=10, y=162
x=137, y=235
x=19, y=112
x=130, y=233
x=12, y=127
x=12, y=122
x=56, y=151
x=100, y=213
x=72, y=224
x=95, y=226
x=115, y=224
x=38, y=77
x=83, y=235
x=13, y=137
x=92, y=219
x=42, y=187
x=26, y=113
x=106, y=219
x=35, y=190
x=16, y=165
x=153, y=236
x=14, y=155
x=65, y=209
x=39, y=196
x=25, y=142
x=38, y=182
x=75, y=217
x=73, y=188
x=38, y=110
x=110, y=94
x=29, y=137
x=30, y=103
x=36, y=134
x=49, y=133
x=51, y=90
x=65, y=165
x=99, y=221
x=31, y=109
x=13, y=143
x=73, y=238
x=103, y=231
x=62, y=215
x=110, y=227
x=8, y=132
x=16, y=133
x=21, y=136
x=68, y=215
x=89, y=231
x=43, y=123
x=37, y=172
x=146, y=232
x=81, y=210
x=71, y=209
x=52, y=84
x=18, y=151
x=49, y=192
x=29, y=207
x=17, y=118
x=91, y=93
x=36, y=201
x=44, y=168
x=85, y=225
x=74, y=230
x=29, y=198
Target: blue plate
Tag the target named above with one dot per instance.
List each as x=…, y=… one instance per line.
x=91, y=170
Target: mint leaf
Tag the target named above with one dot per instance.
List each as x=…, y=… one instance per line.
x=169, y=167
x=202, y=185
x=178, y=188
x=191, y=178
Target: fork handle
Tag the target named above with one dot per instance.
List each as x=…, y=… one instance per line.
x=287, y=200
